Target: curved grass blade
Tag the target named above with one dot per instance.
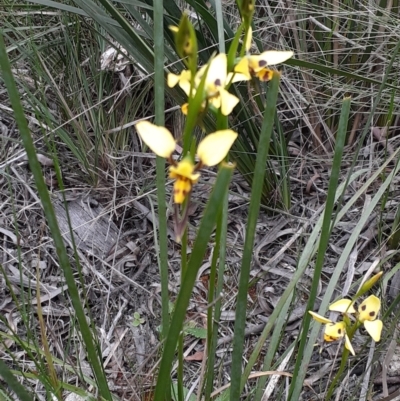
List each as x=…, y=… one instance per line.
x=259, y=173
x=327, y=223
x=334, y=71
x=12, y=382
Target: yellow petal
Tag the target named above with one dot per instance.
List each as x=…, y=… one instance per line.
x=158, y=139
x=343, y=306
x=182, y=188
x=374, y=329
x=185, y=108
x=237, y=77
x=334, y=331
x=369, y=308
x=183, y=78
x=217, y=73
x=270, y=57
x=173, y=28
x=228, y=102
x=215, y=101
x=319, y=318
x=185, y=85
x=348, y=345
x=184, y=169
x=242, y=67
x=214, y=147
x=172, y=79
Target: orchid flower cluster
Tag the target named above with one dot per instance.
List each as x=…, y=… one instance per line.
x=207, y=88
x=365, y=314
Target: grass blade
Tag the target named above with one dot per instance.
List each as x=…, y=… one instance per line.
x=326, y=225
x=11, y=381
x=213, y=208
x=259, y=173
x=159, y=95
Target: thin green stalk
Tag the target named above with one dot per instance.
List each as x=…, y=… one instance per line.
x=13, y=383
x=207, y=224
x=343, y=364
x=220, y=23
x=326, y=226
x=212, y=330
x=159, y=96
x=180, y=368
x=272, y=347
x=256, y=191
x=51, y=371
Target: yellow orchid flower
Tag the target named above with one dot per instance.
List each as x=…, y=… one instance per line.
x=215, y=82
x=367, y=314
x=210, y=151
x=257, y=64
x=183, y=79
x=333, y=331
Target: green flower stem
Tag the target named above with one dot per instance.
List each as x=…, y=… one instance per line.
x=180, y=368
x=221, y=237
x=159, y=97
x=207, y=224
x=343, y=362
x=345, y=356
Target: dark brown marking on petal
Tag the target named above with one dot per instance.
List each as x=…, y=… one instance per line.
x=372, y=314
x=262, y=63
x=339, y=331
x=363, y=307
x=217, y=82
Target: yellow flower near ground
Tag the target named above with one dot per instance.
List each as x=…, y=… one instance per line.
x=211, y=151
x=333, y=331
x=368, y=313
x=343, y=306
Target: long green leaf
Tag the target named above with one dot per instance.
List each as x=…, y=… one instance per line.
x=159, y=120
x=12, y=382
x=334, y=71
x=60, y=6
x=213, y=208
x=327, y=223
x=254, y=208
